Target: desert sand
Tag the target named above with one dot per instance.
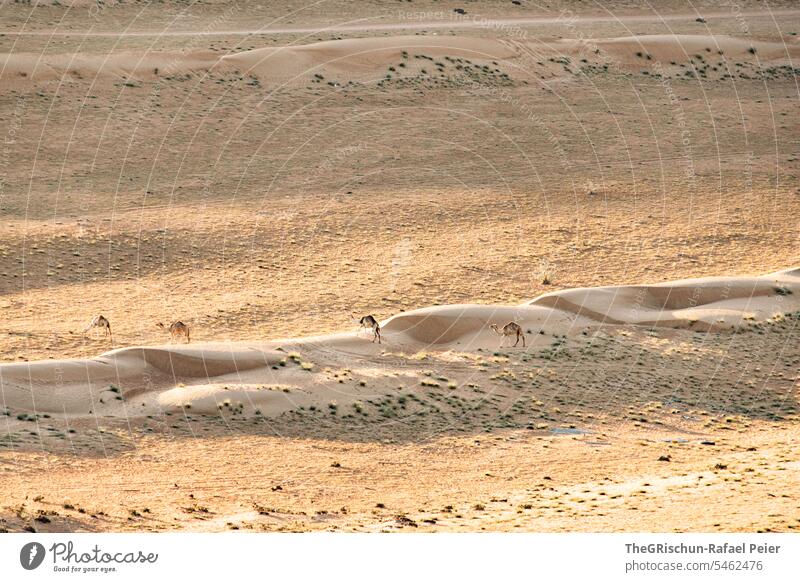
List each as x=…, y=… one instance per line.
x=622, y=183
x=614, y=359
x=269, y=379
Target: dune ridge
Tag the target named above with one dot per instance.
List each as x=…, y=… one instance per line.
x=277, y=376
x=354, y=59
x=350, y=57
x=669, y=47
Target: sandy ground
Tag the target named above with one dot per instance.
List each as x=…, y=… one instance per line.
x=442, y=173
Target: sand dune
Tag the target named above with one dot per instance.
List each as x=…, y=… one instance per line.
x=716, y=303
x=678, y=47
x=362, y=55
x=273, y=377
x=21, y=67
x=353, y=59
x=349, y=56
x=713, y=303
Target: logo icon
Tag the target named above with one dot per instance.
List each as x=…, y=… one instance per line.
x=31, y=555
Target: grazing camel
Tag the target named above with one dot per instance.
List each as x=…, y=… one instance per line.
x=176, y=330
x=510, y=329
x=100, y=322
x=369, y=322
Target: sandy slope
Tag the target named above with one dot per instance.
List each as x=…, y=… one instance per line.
x=677, y=47
x=352, y=59
x=275, y=377
x=363, y=55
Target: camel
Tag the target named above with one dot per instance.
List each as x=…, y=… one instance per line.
x=510, y=329
x=176, y=330
x=100, y=322
x=369, y=322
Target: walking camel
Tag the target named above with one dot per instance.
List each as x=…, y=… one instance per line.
x=100, y=322
x=176, y=330
x=510, y=329
x=369, y=322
